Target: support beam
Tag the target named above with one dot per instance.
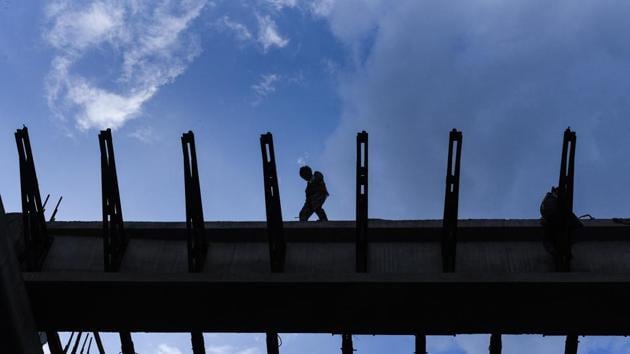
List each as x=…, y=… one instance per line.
x=18, y=333
x=273, y=345
x=36, y=240
x=69, y=343
x=196, y=339
x=451, y=201
x=89, y=346
x=571, y=344
x=362, y=203
x=346, y=344
x=87, y=335
x=420, y=344
x=495, y=343
x=114, y=238
x=126, y=343
x=277, y=243
x=54, y=343
x=75, y=347
x=197, y=244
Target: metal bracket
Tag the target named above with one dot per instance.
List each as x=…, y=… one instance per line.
x=197, y=243
x=451, y=201
x=495, y=343
x=362, y=203
x=277, y=244
x=115, y=240
x=563, y=236
x=36, y=239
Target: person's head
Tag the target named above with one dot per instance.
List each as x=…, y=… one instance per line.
x=306, y=173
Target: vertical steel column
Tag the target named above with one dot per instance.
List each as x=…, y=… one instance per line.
x=273, y=345
x=451, y=201
x=495, y=343
x=346, y=344
x=197, y=244
x=361, y=222
x=565, y=203
x=195, y=227
x=36, y=239
x=54, y=343
x=571, y=344
x=563, y=236
x=362, y=203
x=198, y=345
x=277, y=245
x=115, y=240
x=421, y=344
x=126, y=343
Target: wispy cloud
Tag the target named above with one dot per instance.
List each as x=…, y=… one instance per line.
x=280, y=4
x=240, y=31
x=228, y=349
x=322, y=7
x=268, y=35
x=147, y=38
x=264, y=87
x=144, y=134
x=167, y=349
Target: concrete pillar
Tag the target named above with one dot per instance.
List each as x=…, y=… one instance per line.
x=18, y=333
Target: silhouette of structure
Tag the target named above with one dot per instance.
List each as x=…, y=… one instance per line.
x=365, y=276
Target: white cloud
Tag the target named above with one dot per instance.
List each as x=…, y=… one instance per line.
x=241, y=32
x=322, y=7
x=280, y=4
x=144, y=134
x=228, y=349
x=268, y=35
x=148, y=38
x=75, y=29
x=167, y=349
x=303, y=159
x=265, y=87
x=511, y=77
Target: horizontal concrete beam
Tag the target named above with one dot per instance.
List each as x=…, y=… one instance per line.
x=555, y=303
x=344, y=231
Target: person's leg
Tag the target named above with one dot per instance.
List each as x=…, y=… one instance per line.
x=306, y=212
x=321, y=214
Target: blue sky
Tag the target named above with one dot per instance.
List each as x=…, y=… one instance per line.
x=511, y=75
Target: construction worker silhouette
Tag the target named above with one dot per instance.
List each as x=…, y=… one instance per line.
x=316, y=194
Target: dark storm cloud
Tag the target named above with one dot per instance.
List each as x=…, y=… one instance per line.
x=512, y=76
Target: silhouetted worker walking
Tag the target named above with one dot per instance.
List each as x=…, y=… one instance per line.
x=316, y=194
